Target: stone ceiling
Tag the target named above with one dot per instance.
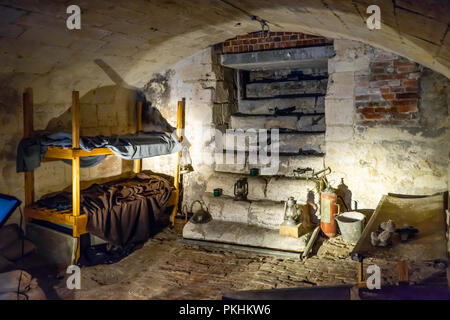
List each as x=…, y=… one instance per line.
x=131, y=40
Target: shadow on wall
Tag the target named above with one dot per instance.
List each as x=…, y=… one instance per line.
x=103, y=111
x=10, y=122
x=112, y=109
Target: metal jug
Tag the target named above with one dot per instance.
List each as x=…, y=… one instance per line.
x=201, y=216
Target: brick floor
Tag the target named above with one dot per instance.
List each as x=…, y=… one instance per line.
x=164, y=268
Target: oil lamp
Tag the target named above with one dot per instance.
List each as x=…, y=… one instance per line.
x=290, y=212
x=241, y=189
x=185, y=161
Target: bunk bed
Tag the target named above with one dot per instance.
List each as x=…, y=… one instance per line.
x=74, y=217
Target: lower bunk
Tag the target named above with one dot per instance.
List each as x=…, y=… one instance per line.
x=122, y=211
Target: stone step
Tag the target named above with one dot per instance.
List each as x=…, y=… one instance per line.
x=262, y=213
x=265, y=188
x=284, y=88
x=271, y=105
x=291, y=58
x=289, y=143
x=297, y=143
x=305, y=123
x=285, y=167
x=243, y=234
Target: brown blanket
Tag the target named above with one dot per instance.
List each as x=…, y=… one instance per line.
x=126, y=211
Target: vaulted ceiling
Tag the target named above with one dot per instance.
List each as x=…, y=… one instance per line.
x=135, y=39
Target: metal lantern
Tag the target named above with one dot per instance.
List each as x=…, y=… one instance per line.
x=241, y=189
x=290, y=212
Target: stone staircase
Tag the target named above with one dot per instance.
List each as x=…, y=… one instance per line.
x=293, y=103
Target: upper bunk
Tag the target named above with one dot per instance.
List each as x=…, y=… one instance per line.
x=37, y=147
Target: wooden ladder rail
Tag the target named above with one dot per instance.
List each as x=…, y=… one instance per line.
x=137, y=164
x=177, y=177
x=76, y=206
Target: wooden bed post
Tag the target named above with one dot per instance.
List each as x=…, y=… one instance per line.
x=76, y=169
x=27, y=132
x=402, y=269
x=137, y=164
x=177, y=178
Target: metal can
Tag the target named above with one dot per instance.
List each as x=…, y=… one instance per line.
x=328, y=212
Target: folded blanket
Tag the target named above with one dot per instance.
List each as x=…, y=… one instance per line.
x=132, y=146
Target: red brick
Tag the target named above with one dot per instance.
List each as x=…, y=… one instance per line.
x=397, y=89
x=410, y=83
x=372, y=116
x=385, y=90
x=408, y=95
x=404, y=102
x=390, y=96
x=407, y=108
x=403, y=63
x=365, y=110
x=382, y=110
x=406, y=69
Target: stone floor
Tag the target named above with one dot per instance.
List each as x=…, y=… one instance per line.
x=165, y=268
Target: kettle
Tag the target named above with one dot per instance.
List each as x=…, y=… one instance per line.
x=201, y=216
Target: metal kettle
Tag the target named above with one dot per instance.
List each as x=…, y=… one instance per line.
x=201, y=216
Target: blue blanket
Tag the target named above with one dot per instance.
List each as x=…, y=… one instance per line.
x=131, y=146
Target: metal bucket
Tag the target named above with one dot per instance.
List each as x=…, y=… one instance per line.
x=351, y=225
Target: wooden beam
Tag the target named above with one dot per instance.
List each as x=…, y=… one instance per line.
x=177, y=177
x=402, y=269
x=137, y=164
x=27, y=133
x=75, y=120
x=58, y=217
x=66, y=153
x=76, y=158
x=361, y=282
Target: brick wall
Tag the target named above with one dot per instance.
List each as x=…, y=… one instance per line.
x=389, y=93
x=258, y=41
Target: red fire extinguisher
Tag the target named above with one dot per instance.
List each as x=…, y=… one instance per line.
x=328, y=210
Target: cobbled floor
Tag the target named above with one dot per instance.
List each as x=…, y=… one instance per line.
x=165, y=268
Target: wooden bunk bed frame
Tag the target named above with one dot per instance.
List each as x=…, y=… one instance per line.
x=73, y=217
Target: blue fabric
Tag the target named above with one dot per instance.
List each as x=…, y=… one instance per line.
x=132, y=146
x=135, y=146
